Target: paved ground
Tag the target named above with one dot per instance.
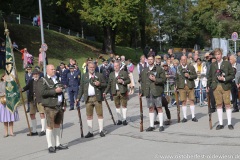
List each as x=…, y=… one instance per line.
x=179, y=141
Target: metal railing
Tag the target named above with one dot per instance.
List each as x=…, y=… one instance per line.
x=18, y=19
x=201, y=90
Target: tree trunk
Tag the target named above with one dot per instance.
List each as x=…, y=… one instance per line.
x=109, y=39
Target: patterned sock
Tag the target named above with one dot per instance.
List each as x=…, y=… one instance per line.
x=49, y=137
x=151, y=119
x=124, y=111
x=100, y=123
x=220, y=115
x=34, y=125
x=90, y=125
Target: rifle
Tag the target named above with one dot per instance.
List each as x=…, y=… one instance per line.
x=65, y=104
x=178, y=107
x=110, y=111
x=80, y=121
x=141, y=111
x=209, y=112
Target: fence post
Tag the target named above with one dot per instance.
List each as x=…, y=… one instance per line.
x=82, y=33
x=19, y=19
x=77, y=34
x=60, y=29
x=69, y=32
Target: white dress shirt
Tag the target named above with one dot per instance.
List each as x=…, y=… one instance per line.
x=185, y=68
x=91, y=90
x=116, y=74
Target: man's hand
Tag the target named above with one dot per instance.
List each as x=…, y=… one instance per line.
x=152, y=77
x=97, y=83
x=207, y=89
x=104, y=95
x=58, y=90
x=186, y=75
x=140, y=95
x=221, y=78
x=120, y=81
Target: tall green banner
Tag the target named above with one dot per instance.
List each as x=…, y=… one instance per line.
x=12, y=89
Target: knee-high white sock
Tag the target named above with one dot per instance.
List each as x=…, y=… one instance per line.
x=57, y=136
x=49, y=137
x=151, y=119
x=155, y=115
x=43, y=122
x=100, y=123
x=220, y=115
x=124, y=112
x=229, y=116
x=34, y=125
x=118, y=110
x=184, y=109
x=160, y=116
x=90, y=125
x=192, y=108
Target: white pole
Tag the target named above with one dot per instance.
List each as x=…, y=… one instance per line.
x=235, y=47
x=19, y=19
x=42, y=37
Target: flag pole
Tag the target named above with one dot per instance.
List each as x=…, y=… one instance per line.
x=16, y=78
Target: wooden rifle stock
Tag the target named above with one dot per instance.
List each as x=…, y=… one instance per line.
x=80, y=121
x=110, y=111
x=209, y=112
x=178, y=106
x=141, y=111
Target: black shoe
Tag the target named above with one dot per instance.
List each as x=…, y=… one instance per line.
x=230, y=127
x=167, y=122
x=43, y=133
x=89, y=135
x=71, y=109
x=119, y=122
x=219, y=127
x=235, y=110
x=102, y=134
x=161, y=128
x=149, y=129
x=32, y=134
x=156, y=123
x=184, y=120
x=212, y=110
x=194, y=119
x=51, y=150
x=124, y=123
x=61, y=147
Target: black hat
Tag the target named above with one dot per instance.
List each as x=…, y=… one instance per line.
x=71, y=67
x=29, y=66
x=35, y=71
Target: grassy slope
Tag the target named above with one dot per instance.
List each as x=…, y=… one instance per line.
x=60, y=47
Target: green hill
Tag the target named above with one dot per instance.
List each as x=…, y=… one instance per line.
x=60, y=47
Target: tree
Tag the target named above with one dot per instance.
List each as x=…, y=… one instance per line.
x=109, y=14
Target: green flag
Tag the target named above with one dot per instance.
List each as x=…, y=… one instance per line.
x=12, y=89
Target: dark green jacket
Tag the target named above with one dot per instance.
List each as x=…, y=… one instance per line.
x=112, y=81
x=180, y=78
x=157, y=87
x=49, y=95
x=98, y=90
x=226, y=67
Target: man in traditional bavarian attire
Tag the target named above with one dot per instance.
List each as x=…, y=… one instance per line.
x=152, y=87
x=35, y=99
x=220, y=79
x=117, y=83
x=92, y=85
x=53, y=102
x=185, y=76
